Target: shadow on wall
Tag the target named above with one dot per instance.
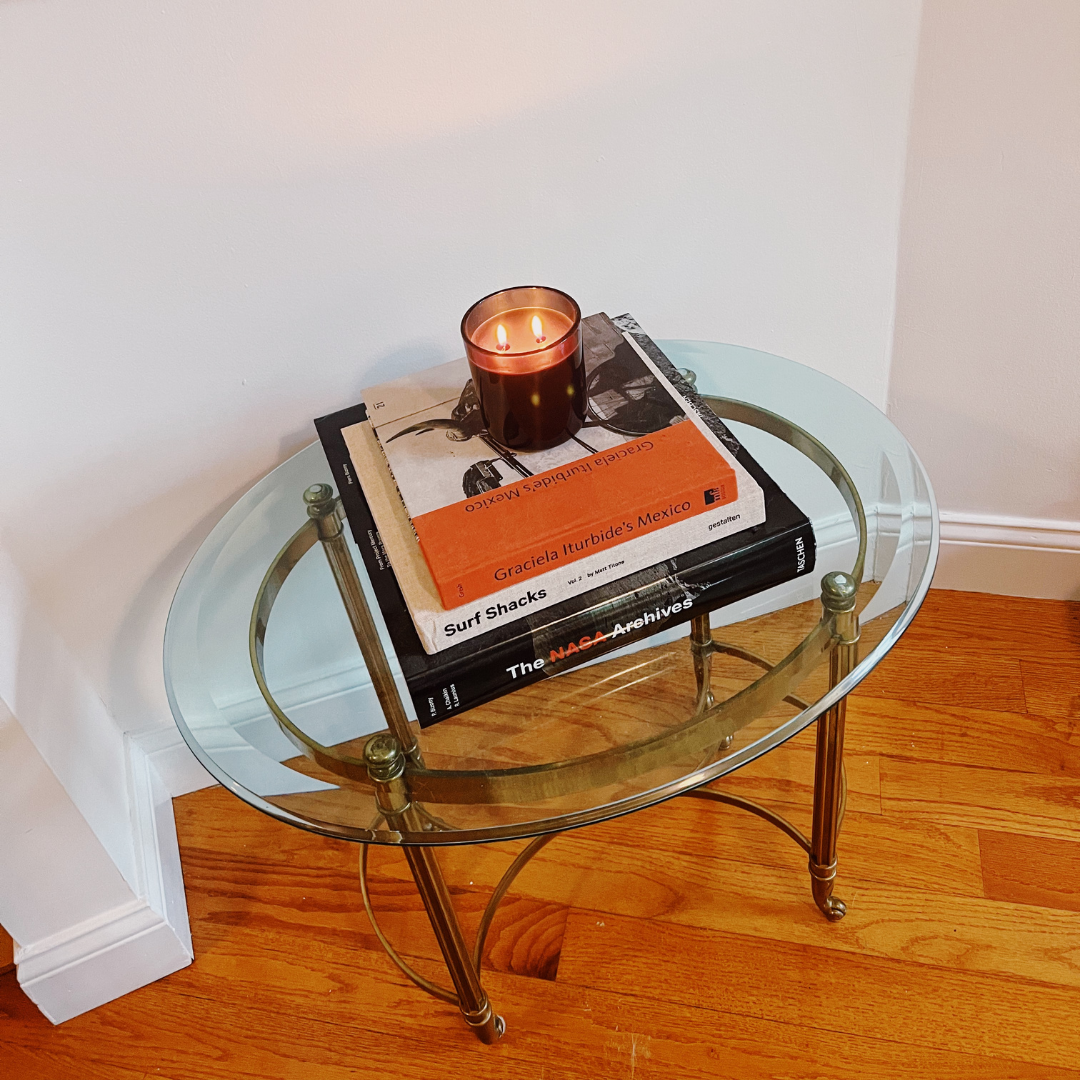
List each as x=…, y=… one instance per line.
x=137, y=560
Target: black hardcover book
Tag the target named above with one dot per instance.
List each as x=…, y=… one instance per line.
x=601, y=620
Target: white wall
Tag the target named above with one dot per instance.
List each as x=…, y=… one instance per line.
x=65, y=719
x=222, y=219
x=986, y=371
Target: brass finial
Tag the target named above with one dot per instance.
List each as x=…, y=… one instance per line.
x=319, y=499
x=383, y=757
x=838, y=592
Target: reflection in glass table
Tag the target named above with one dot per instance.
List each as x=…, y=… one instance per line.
x=283, y=681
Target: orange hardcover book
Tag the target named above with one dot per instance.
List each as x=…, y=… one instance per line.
x=501, y=537
x=488, y=519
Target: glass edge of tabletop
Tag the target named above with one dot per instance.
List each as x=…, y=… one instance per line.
x=563, y=821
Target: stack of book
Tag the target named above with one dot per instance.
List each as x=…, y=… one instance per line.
x=496, y=568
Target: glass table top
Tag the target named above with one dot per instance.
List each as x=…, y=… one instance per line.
x=605, y=738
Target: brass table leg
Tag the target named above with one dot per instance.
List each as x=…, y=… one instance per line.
x=385, y=761
x=838, y=594
x=385, y=756
x=322, y=508
x=702, y=647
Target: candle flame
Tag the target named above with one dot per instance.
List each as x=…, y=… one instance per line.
x=537, y=328
x=500, y=336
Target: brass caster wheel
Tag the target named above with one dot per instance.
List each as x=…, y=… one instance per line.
x=834, y=909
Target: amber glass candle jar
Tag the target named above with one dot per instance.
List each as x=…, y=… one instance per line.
x=524, y=350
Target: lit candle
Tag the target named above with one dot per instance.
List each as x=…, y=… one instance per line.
x=524, y=350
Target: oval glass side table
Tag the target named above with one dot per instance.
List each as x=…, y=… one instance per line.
x=283, y=681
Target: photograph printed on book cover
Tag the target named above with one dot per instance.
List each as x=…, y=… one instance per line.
x=443, y=453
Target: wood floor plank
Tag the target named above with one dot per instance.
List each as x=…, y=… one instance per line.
x=783, y=776
x=786, y=775
x=962, y=736
x=570, y=1030
x=582, y=1031
x=981, y=798
x=892, y=850
x=526, y=938
x=323, y=900
x=983, y=623
x=609, y=868
x=169, y=1033
x=931, y=1007
x=1031, y=870
x=272, y=1008
x=214, y=822
x=1052, y=688
x=46, y=1063
x=703, y=891
x=966, y=933
x=950, y=677
x=612, y=873
x=7, y=952
x=906, y=853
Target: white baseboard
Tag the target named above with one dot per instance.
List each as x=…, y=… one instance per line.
x=94, y=962
x=1012, y=556
x=157, y=853
x=140, y=937
x=174, y=764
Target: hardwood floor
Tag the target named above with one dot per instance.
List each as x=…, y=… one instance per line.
x=6, y=952
x=681, y=941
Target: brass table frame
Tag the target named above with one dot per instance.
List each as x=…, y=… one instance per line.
x=393, y=767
